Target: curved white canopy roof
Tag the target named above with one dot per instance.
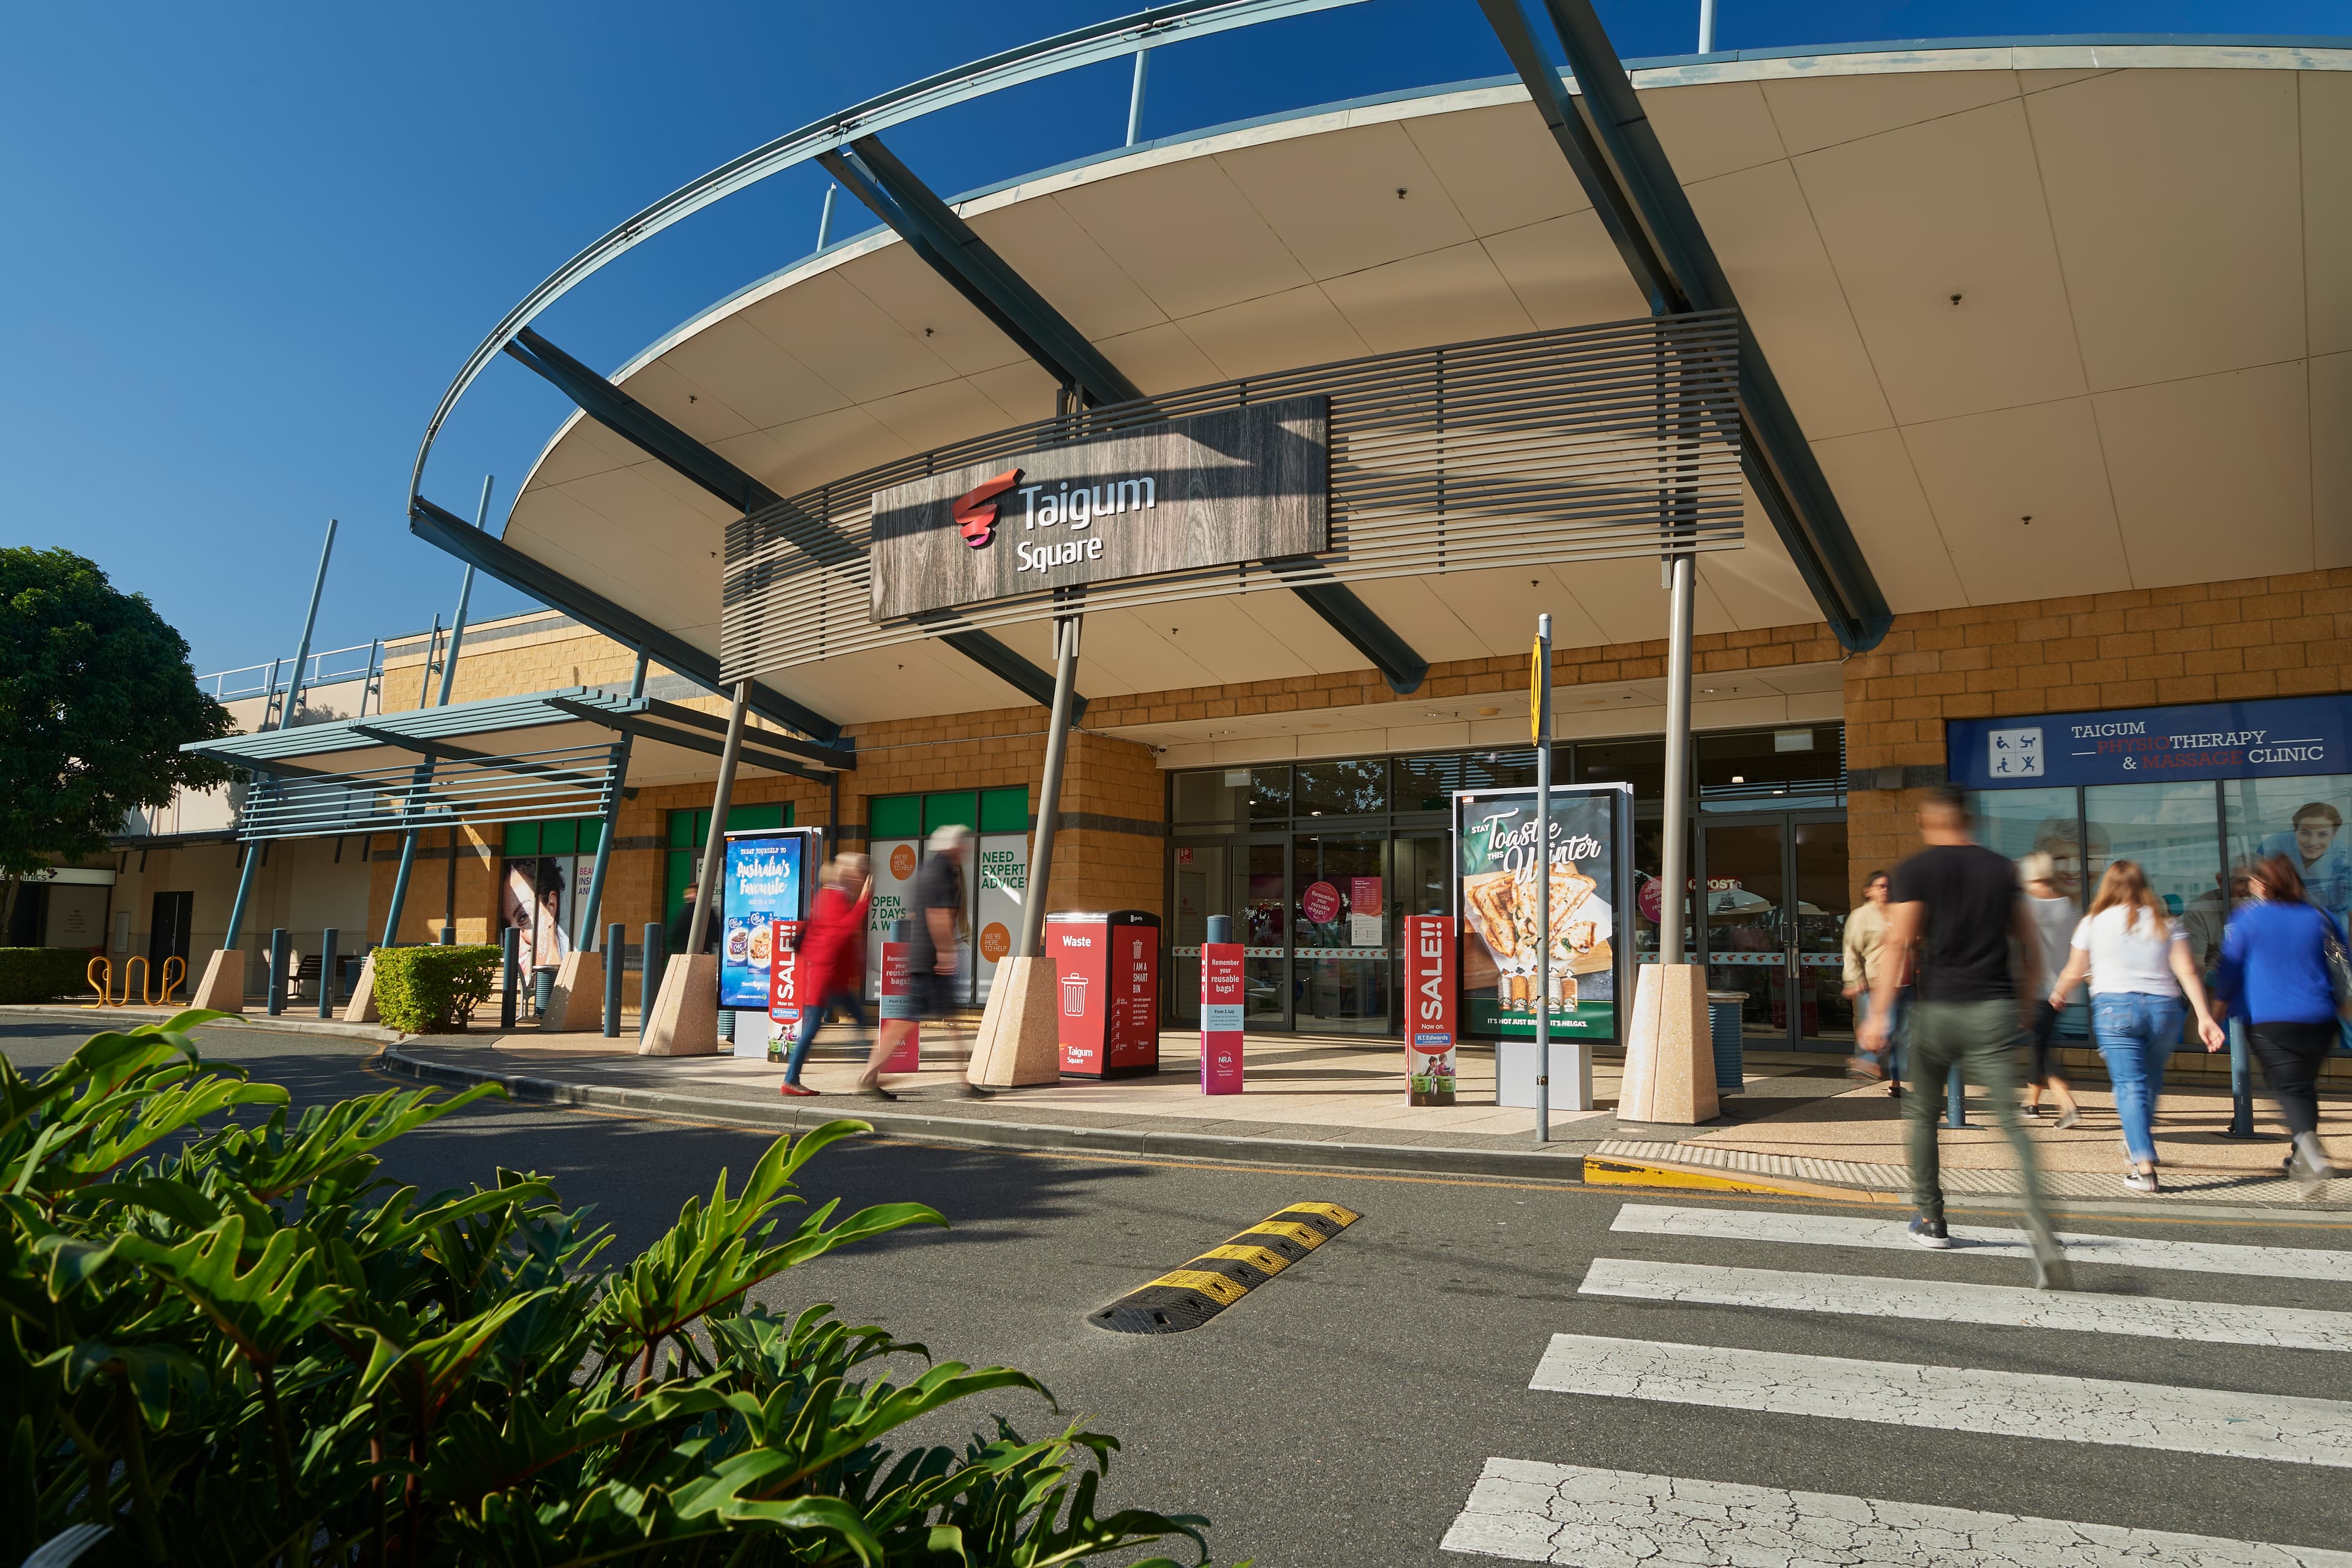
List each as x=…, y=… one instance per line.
x=2106, y=289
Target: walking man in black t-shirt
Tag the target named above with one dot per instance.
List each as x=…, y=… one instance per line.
x=934, y=954
x=1952, y=914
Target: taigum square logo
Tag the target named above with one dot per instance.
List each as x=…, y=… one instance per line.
x=975, y=511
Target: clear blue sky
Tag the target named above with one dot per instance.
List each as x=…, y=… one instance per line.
x=248, y=245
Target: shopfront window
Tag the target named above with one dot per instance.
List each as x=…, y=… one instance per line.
x=1342, y=789
x=1430, y=782
x=2020, y=822
x=1642, y=763
x=2170, y=829
x=1763, y=769
x=2302, y=819
x=1339, y=904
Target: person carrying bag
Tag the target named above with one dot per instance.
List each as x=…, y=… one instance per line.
x=2283, y=969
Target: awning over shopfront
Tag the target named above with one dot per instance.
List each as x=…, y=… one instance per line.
x=549, y=756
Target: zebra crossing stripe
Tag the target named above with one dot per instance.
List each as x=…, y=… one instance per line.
x=1981, y=1241
x=1575, y=1514
x=1946, y=1301
x=2278, y=1427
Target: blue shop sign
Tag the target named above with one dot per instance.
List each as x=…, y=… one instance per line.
x=2276, y=739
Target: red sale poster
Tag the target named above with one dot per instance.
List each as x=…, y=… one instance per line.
x=1430, y=1032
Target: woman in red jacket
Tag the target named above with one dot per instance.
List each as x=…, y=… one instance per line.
x=831, y=957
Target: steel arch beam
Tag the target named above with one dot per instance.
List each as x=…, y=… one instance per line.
x=1110, y=40
x=446, y=529
x=612, y=407
x=1610, y=144
x=872, y=172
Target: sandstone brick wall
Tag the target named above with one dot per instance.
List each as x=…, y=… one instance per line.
x=2205, y=642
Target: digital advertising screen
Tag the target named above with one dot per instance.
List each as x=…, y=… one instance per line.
x=763, y=881
x=1499, y=856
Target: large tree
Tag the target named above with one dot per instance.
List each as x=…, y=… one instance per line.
x=96, y=699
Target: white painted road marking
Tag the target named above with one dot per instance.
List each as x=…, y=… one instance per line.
x=1841, y=1230
x=1954, y=1399
x=1922, y=1300
x=1613, y=1518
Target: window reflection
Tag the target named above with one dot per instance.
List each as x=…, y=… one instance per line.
x=1342, y=789
x=2172, y=831
x=2020, y=822
x=2302, y=819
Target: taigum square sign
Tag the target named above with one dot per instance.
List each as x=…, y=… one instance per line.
x=1241, y=484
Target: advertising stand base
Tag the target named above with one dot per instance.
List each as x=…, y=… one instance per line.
x=1020, y=1041
x=223, y=986
x=578, y=1003
x=686, y=1010
x=361, y=1009
x=1669, y=1051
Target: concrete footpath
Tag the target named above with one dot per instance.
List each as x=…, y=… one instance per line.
x=1798, y=1125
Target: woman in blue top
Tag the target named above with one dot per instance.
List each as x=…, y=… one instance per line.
x=2274, y=973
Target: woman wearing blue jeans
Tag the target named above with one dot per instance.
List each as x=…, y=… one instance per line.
x=2137, y=959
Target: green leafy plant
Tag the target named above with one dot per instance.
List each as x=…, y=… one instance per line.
x=43, y=974
x=233, y=1341
x=433, y=990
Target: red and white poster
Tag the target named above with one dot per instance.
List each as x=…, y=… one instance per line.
x=1430, y=1030
x=1220, y=1017
x=784, y=1002
x=1320, y=903
x=897, y=1002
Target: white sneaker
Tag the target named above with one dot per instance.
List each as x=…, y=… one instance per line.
x=2141, y=1181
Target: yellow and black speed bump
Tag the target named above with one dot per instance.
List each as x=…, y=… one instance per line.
x=1188, y=1296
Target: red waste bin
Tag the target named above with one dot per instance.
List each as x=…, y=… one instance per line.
x=1106, y=980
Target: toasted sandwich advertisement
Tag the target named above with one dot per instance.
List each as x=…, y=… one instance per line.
x=1500, y=868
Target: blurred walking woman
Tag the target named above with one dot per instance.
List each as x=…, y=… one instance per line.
x=2273, y=974
x=2137, y=959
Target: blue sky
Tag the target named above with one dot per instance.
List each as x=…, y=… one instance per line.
x=249, y=245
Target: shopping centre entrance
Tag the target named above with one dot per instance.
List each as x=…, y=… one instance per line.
x=1317, y=862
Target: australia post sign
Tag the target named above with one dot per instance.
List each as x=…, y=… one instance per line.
x=1243, y=484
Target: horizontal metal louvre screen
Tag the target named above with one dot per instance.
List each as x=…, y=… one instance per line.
x=533, y=787
x=1584, y=443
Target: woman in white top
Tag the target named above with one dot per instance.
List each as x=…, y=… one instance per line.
x=2055, y=916
x=2138, y=958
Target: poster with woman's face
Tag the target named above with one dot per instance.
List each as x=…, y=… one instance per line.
x=2303, y=820
x=518, y=901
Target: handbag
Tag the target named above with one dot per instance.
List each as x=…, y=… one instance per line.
x=2340, y=969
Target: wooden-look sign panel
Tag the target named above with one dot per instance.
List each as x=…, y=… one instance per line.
x=1251, y=483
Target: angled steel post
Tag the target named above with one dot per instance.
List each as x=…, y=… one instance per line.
x=285, y=717
x=714, y=844
x=1135, y=97
x=400, y=878
x=1049, y=789
x=595, y=900
x=465, y=596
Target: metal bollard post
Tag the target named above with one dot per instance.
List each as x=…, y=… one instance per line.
x=327, y=972
x=2241, y=1083
x=616, y=956
x=1956, y=1110
x=649, y=977
x=278, y=947
x=509, y=957
x=449, y=935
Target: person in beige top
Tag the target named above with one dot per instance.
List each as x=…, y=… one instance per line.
x=1865, y=933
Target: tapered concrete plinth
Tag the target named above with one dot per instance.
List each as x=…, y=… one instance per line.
x=361, y=1009
x=577, y=1004
x=1020, y=1041
x=1669, y=1058
x=222, y=987
x=686, y=1010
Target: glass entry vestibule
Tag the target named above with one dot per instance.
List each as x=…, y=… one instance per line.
x=1317, y=862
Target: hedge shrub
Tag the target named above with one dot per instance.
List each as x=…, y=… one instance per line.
x=42, y=974
x=433, y=990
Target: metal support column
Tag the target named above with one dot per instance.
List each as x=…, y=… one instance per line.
x=1539, y=697
x=649, y=970
x=595, y=902
x=279, y=945
x=1049, y=792
x=1673, y=867
x=617, y=954
x=424, y=771
x=824, y=218
x=1135, y=98
x=510, y=955
x=714, y=844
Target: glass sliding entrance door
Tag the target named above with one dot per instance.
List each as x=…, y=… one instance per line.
x=1776, y=905
x=1341, y=921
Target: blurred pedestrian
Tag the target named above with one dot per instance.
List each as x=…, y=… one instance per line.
x=1862, y=943
x=2137, y=959
x=1952, y=911
x=2055, y=917
x=829, y=964
x=2275, y=974
x=934, y=957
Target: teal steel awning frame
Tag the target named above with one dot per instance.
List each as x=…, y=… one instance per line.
x=547, y=756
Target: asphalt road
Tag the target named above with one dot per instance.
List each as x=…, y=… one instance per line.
x=1343, y=1412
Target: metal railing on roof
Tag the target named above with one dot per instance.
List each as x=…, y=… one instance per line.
x=333, y=667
